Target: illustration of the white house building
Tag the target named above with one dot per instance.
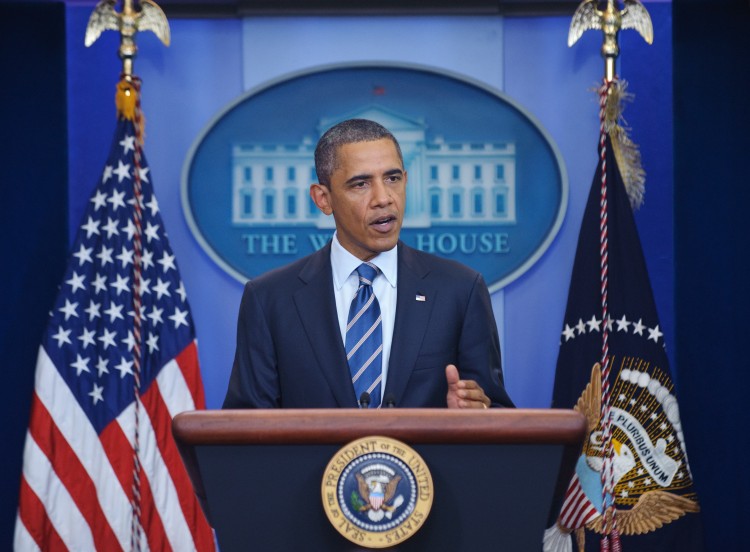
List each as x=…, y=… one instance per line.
x=449, y=182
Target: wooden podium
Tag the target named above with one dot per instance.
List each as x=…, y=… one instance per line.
x=258, y=473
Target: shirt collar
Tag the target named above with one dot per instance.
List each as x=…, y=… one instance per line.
x=344, y=263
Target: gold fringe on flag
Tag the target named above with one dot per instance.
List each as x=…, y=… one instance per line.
x=627, y=153
x=127, y=102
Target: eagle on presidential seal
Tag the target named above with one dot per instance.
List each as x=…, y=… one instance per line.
x=646, y=498
x=377, y=492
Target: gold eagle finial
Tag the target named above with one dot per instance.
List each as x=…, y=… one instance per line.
x=610, y=20
x=149, y=18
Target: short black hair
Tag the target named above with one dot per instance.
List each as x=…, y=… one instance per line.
x=347, y=132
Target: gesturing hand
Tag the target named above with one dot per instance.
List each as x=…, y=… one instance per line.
x=464, y=393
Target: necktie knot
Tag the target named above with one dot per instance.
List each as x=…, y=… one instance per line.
x=367, y=273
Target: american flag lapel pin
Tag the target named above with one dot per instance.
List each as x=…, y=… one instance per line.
x=421, y=298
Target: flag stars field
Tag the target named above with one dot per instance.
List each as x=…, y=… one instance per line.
x=594, y=325
x=100, y=283
x=181, y=292
x=96, y=393
x=69, y=309
x=91, y=227
x=638, y=327
x=143, y=175
x=106, y=175
x=622, y=324
x=101, y=366
x=125, y=368
x=114, y=312
x=93, y=310
x=179, y=318
x=153, y=205
x=81, y=365
x=116, y=199
x=151, y=231
x=84, y=255
x=105, y=256
x=121, y=284
x=147, y=259
x=62, y=336
x=111, y=227
x=108, y=339
x=581, y=327
x=654, y=334
x=87, y=338
x=161, y=288
x=122, y=171
x=129, y=229
x=167, y=262
x=152, y=342
x=155, y=316
x=145, y=284
x=128, y=144
x=125, y=256
x=76, y=282
x=129, y=341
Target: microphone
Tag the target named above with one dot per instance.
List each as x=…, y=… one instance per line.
x=364, y=400
x=389, y=401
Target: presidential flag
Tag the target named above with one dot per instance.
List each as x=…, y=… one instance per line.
x=118, y=360
x=612, y=355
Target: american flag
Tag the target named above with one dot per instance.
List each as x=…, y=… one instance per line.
x=84, y=486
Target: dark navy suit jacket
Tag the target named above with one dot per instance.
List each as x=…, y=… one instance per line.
x=290, y=353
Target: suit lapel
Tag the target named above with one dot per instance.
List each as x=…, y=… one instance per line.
x=317, y=310
x=410, y=325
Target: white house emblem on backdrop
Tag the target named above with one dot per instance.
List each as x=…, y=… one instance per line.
x=487, y=186
x=449, y=182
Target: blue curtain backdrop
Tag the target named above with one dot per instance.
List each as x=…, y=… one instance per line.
x=33, y=225
x=712, y=256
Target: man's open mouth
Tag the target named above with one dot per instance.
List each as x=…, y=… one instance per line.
x=382, y=221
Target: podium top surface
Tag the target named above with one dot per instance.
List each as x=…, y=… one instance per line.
x=299, y=426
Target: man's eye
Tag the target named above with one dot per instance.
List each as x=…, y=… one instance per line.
x=360, y=184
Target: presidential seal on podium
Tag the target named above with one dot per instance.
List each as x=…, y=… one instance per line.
x=377, y=492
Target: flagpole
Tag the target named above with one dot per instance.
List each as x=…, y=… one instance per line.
x=609, y=21
x=128, y=102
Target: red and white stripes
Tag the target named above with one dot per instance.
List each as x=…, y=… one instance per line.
x=77, y=486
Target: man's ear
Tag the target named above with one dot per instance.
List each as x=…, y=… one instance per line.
x=321, y=196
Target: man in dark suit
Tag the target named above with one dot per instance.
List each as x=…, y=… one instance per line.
x=434, y=339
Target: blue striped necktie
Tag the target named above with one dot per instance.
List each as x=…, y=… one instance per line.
x=364, y=337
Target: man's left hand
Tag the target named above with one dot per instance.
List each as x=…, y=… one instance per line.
x=464, y=393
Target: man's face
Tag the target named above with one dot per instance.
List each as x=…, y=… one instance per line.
x=367, y=197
